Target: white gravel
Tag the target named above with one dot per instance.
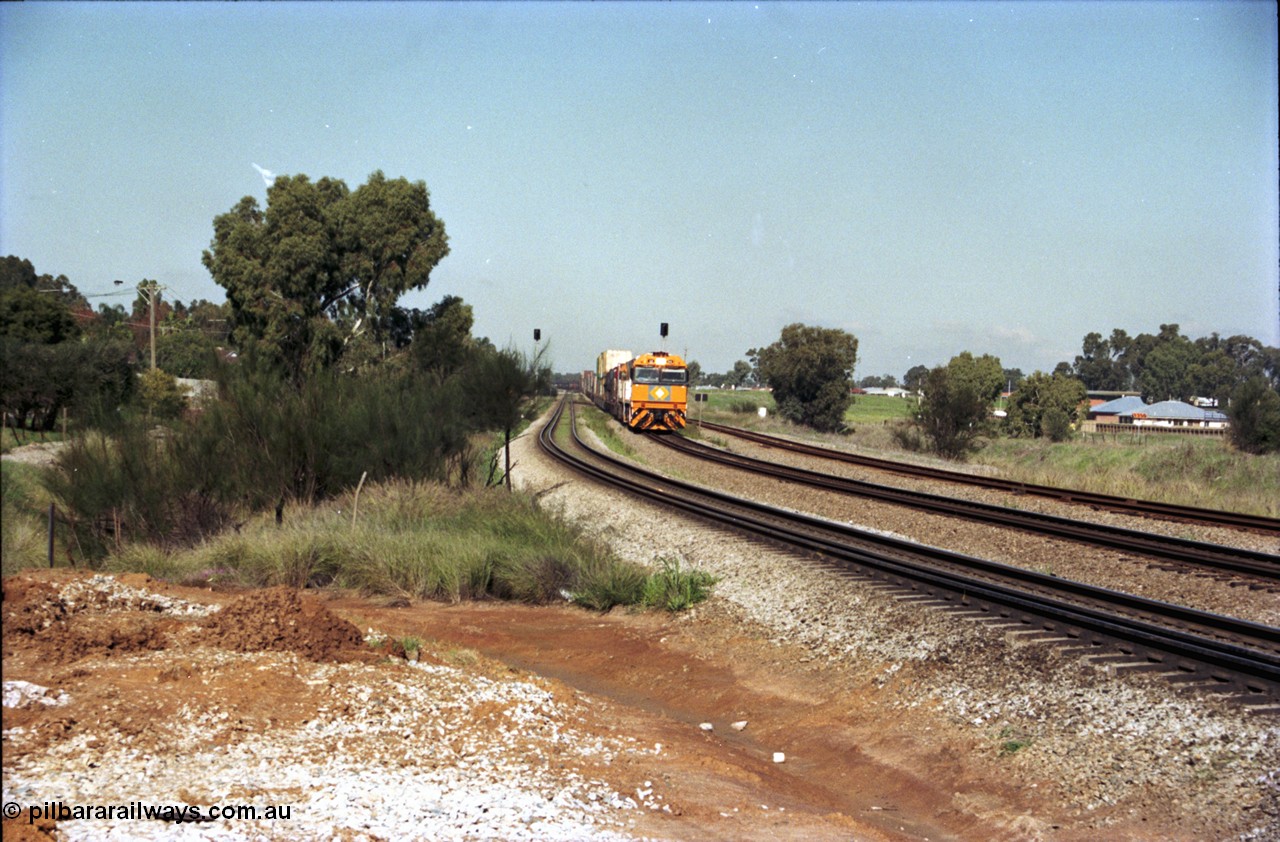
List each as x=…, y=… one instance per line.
x=395, y=751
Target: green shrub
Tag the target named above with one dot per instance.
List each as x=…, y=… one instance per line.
x=115, y=490
x=23, y=542
x=160, y=395
x=1255, y=417
x=602, y=586
x=1055, y=424
x=673, y=589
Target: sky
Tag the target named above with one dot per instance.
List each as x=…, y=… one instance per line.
x=931, y=177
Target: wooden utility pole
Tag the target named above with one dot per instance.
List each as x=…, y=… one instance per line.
x=152, y=290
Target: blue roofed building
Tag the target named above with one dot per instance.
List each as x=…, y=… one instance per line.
x=1112, y=411
x=1179, y=414
x=1171, y=416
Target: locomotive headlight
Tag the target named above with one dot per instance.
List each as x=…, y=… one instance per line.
x=661, y=361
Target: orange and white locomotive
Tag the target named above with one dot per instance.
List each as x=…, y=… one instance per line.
x=647, y=393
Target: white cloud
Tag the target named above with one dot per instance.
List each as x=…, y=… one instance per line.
x=268, y=177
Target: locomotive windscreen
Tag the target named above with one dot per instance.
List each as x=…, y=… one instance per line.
x=652, y=374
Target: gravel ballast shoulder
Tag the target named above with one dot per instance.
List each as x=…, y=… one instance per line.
x=1107, y=746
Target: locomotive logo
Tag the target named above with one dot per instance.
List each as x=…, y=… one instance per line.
x=660, y=394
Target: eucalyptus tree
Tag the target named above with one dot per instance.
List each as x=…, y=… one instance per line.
x=323, y=265
x=1045, y=405
x=955, y=410
x=810, y=370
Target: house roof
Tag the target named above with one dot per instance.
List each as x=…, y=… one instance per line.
x=1175, y=410
x=1120, y=406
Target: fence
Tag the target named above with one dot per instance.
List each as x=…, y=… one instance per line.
x=1143, y=429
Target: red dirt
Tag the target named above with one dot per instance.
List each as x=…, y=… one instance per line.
x=281, y=619
x=851, y=770
x=865, y=777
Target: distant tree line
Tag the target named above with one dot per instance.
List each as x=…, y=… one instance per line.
x=62, y=355
x=810, y=371
x=1170, y=366
x=1239, y=374
x=52, y=360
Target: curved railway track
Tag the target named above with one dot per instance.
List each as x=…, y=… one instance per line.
x=1228, y=560
x=1113, y=629
x=1124, y=505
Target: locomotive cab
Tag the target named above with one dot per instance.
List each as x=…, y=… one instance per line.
x=659, y=386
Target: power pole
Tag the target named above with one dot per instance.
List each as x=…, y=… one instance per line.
x=151, y=290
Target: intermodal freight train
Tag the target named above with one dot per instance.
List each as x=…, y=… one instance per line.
x=649, y=392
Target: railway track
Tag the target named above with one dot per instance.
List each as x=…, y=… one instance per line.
x=1118, y=631
x=1124, y=505
x=1228, y=561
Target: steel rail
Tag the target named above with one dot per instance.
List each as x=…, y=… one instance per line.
x=1230, y=559
x=1112, y=502
x=1206, y=640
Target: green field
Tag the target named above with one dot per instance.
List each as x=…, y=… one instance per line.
x=866, y=409
x=1187, y=470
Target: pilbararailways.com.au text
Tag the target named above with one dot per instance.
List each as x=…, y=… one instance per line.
x=139, y=811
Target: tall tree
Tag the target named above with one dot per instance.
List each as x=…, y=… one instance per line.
x=442, y=341
x=810, y=370
x=1167, y=369
x=323, y=265
x=389, y=241
x=983, y=375
x=16, y=272
x=1255, y=417
x=1097, y=367
x=33, y=316
x=913, y=380
x=956, y=406
x=739, y=375
x=1045, y=405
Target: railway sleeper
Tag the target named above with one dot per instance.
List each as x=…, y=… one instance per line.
x=1184, y=677
x=1017, y=639
x=1114, y=668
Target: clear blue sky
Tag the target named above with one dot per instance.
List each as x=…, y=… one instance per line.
x=931, y=177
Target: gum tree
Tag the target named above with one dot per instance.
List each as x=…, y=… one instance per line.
x=955, y=410
x=323, y=266
x=810, y=370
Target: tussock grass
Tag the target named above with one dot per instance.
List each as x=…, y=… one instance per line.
x=23, y=544
x=674, y=589
x=1169, y=468
x=421, y=541
x=24, y=526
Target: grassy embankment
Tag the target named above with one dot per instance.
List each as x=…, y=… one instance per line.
x=1187, y=470
x=418, y=540
x=9, y=439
